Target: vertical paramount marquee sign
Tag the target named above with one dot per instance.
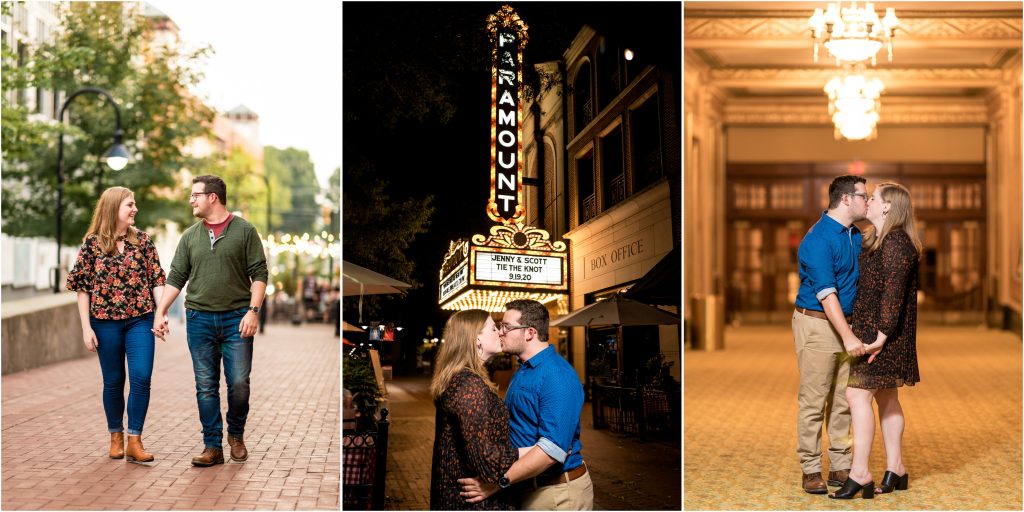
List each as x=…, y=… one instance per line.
x=516, y=261
x=508, y=35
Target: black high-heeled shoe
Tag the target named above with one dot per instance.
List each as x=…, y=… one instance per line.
x=891, y=481
x=851, y=488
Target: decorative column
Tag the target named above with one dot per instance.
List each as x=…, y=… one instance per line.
x=704, y=216
x=1005, y=245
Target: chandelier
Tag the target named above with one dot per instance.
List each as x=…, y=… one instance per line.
x=854, y=105
x=853, y=34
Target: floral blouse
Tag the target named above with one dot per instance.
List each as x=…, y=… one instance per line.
x=120, y=285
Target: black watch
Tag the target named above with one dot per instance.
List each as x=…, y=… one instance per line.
x=503, y=482
x=254, y=309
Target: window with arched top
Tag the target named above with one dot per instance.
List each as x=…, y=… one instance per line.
x=583, y=98
x=646, y=135
x=586, y=192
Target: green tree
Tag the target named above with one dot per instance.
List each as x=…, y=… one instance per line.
x=246, y=189
x=294, y=170
x=334, y=198
x=377, y=231
x=104, y=45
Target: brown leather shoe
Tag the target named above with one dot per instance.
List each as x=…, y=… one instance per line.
x=814, y=484
x=209, y=457
x=238, y=451
x=838, y=478
x=117, y=445
x=135, y=451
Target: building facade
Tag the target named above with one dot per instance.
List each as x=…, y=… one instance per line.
x=602, y=154
x=29, y=25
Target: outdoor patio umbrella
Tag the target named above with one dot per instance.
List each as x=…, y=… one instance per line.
x=619, y=312
x=347, y=327
x=361, y=281
x=616, y=311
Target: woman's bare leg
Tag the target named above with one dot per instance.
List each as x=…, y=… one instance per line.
x=891, y=419
x=863, y=416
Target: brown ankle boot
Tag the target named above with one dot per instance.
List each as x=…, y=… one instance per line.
x=209, y=457
x=117, y=445
x=238, y=451
x=135, y=451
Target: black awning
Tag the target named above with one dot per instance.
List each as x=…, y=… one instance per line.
x=662, y=285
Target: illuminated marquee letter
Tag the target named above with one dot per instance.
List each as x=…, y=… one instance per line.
x=506, y=77
x=506, y=118
x=508, y=37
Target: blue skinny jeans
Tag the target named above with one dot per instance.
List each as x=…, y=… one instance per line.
x=120, y=340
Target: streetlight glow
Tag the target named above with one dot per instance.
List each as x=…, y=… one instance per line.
x=116, y=157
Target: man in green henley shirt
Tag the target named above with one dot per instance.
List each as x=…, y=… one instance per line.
x=221, y=258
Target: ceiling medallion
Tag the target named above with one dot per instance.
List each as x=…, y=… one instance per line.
x=853, y=34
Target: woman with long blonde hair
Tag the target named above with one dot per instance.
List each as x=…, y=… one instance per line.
x=885, y=311
x=471, y=436
x=119, y=280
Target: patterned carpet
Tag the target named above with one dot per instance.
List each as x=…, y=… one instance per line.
x=962, y=442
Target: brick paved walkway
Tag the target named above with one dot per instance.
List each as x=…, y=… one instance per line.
x=55, y=438
x=628, y=474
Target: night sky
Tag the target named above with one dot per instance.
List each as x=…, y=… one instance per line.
x=439, y=50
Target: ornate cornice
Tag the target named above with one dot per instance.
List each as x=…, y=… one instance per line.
x=895, y=112
x=753, y=77
x=924, y=30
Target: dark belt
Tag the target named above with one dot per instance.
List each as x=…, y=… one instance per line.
x=816, y=314
x=561, y=478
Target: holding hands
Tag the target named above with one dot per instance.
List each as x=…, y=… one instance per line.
x=857, y=348
x=876, y=347
x=160, y=326
x=854, y=346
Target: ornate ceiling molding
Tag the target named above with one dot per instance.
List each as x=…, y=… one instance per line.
x=786, y=32
x=895, y=112
x=810, y=77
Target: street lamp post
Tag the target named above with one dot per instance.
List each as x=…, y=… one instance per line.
x=116, y=158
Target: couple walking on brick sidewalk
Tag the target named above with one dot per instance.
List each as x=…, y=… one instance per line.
x=52, y=461
x=120, y=283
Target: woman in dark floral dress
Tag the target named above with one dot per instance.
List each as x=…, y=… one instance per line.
x=471, y=436
x=884, y=314
x=119, y=280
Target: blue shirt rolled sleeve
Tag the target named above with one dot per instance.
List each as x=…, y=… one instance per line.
x=552, y=449
x=544, y=400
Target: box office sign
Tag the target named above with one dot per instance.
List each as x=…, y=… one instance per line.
x=519, y=268
x=617, y=255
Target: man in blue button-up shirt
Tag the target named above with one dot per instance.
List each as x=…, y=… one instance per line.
x=544, y=402
x=821, y=330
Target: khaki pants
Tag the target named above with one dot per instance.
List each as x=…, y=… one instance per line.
x=822, y=395
x=575, y=495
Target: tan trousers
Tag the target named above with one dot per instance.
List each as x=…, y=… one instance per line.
x=822, y=394
x=575, y=495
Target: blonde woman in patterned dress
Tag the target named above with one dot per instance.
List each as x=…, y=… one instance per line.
x=885, y=311
x=471, y=427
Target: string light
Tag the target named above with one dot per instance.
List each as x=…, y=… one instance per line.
x=494, y=300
